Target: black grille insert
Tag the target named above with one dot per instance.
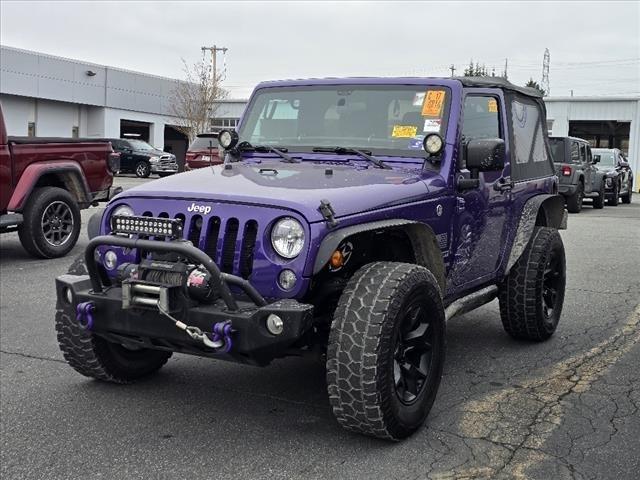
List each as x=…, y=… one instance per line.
x=248, y=247
x=229, y=245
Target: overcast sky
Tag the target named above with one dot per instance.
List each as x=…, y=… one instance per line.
x=595, y=47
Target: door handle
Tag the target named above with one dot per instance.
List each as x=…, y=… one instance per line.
x=503, y=184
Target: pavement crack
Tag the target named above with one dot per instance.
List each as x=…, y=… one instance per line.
x=35, y=357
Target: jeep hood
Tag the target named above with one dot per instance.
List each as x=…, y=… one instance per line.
x=349, y=188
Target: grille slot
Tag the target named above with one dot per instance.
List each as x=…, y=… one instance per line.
x=211, y=241
x=195, y=227
x=248, y=247
x=229, y=245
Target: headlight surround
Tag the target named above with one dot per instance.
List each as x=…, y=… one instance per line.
x=609, y=181
x=287, y=237
x=154, y=159
x=123, y=209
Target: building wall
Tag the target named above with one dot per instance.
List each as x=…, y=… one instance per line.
x=563, y=110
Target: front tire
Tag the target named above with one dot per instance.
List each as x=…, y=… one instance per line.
x=532, y=295
x=615, y=195
x=574, y=202
x=95, y=357
x=143, y=169
x=51, y=223
x=598, y=203
x=386, y=350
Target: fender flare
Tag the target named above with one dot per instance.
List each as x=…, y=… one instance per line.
x=422, y=237
x=546, y=209
x=35, y=171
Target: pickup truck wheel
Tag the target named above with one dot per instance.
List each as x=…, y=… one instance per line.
x=598, y=202
x=51, y=223
x=574, y=202
x=386, y=350
x=143, y=169
x=626, y=198
x=532, y=295
x=614, y=199
x=96, y=357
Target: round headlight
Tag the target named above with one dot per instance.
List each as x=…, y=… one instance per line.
x=287, y=237
x=227, y=139
x=433, y=143
x=123, y=210
x=110, y=260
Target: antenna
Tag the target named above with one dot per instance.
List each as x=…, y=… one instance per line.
x=544, y=84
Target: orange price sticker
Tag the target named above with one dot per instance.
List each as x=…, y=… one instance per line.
x=433, y=103
x=492, y=105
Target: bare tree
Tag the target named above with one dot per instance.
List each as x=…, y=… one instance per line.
x=194, y=101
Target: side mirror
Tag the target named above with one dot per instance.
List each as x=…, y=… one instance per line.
x=485, y=154
x=596, y=159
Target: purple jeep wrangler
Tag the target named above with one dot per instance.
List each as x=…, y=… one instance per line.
x=351, y=218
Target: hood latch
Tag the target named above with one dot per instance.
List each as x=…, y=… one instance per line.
x=328, y=213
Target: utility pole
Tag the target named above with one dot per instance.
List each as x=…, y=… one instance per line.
x=453, y=69
x=214, y=53
x=544, y=84
x=506, y=66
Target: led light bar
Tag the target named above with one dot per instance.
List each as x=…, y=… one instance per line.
x=152, y=226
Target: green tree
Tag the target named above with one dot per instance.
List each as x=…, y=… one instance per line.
x=533, y=84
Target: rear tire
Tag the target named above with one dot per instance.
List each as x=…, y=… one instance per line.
x=532, y=295
x=574, y=202
x=143, y=169
x=626, y=198
x=386, y=350
x=51, y=223
x=598, y=203
x=98, y=358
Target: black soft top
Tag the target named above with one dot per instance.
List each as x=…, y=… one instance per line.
x=498, y=82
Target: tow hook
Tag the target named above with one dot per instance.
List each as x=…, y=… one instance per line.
x=220, y=339
x=84, y=315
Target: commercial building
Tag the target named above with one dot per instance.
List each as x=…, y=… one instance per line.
x=50, y=96
x=606, y=122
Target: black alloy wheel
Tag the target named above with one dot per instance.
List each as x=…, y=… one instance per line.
x=57, y=223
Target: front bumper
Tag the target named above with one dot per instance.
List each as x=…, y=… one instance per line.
x=147, y=327
x=164, y=168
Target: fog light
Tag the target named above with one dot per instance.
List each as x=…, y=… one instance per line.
x=287, y=279
x=275, y=324
x=68, y=296
x=110, y=260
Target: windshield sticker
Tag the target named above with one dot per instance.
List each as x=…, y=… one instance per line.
x=404, y=131
x=433, y=103
x=432, y=125
x=418, y=99
x=415, y=144
x=492, y=105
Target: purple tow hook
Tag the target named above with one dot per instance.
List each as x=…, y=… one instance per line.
x=84, y=316
x=222, y=331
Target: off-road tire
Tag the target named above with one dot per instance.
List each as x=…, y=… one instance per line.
x=598, y=202
x=626, y=198
x=522, y=293
x=362, y=351
x=95, y=357
x=614, y=199
x=143, y=169
x=31, y=232
x=574, y=202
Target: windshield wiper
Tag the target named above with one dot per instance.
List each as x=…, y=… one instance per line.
x=281, y=151
x=361, y=153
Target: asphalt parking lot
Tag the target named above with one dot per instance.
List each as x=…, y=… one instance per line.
x=567, y=408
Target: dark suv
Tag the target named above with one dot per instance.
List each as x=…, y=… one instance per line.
x=619, y=176
x=351, y=219
x=577, y=171
x=137, y=156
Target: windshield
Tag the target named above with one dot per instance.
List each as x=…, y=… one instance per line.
x=382, y=119
x=202, y=143
x=139, y=145
x=557, y=149
x=607, y=158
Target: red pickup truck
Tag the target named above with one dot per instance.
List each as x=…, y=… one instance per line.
x=45, y=182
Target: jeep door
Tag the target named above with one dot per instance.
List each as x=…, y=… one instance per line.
x=480, y=225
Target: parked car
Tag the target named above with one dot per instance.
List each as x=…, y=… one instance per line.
x=354, y=230
x=137, y=156
x=45, y=182
x=203, y=152
x=619, y=176
x=577, y=171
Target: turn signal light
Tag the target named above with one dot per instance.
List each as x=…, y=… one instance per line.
x=337, y=259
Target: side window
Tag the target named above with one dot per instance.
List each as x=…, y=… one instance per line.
x=575, y=152
x=583, y=153
x=589, y=154
x=481, y=118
